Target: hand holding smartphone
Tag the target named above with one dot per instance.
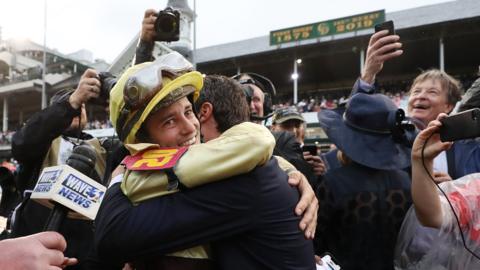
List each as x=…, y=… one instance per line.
x=388, y=25
x=464, y=125
x=311, y=148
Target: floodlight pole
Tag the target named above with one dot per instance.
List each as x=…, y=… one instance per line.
x=44, y=88
x=194, y=54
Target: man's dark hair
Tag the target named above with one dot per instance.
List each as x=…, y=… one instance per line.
x=228, y=100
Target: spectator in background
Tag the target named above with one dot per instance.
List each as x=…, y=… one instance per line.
x=260, y=93
x=287, y=126
x=432, y=92
x=255, y=83
x=289, y=119
x=362, y=203
x=425, y=246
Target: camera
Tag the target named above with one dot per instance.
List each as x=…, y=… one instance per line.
x=167, y=25
x=402, y=128
x=107, y=82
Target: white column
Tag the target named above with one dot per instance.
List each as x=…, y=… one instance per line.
x=5, y=114
x=362, y=60
x=239, y=70
x=295, y=81
x=194, y=53
x=44, y=86
x=442, y=54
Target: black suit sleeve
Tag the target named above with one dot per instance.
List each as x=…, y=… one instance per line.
x=144, y=52
x=32, y=141
x=173, y=222
x=30, y=144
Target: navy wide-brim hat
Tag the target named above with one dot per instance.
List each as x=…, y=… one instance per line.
x=364, y=132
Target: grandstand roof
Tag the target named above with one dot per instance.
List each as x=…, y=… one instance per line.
x=420, y=16
x=20, y=45
x=50, y=79
x=19, y=61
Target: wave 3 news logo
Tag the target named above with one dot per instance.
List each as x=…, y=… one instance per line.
x=80, y=192
x=46, y=181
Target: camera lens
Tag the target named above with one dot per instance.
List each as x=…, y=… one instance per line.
x=167, y=24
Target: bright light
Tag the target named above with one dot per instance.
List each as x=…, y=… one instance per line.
x=299, y=61
x=294, y=76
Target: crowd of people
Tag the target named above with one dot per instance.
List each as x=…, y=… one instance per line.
x=6, y=137
x=195, y=181
x=316, y=104
x=98, y=124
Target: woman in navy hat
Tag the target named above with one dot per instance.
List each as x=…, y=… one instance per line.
x=363, y=203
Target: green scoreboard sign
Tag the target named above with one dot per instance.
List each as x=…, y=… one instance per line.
x=326, y=28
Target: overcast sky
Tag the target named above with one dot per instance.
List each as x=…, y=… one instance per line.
x=105, y=27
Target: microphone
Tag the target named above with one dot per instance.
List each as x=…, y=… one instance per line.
x=70, y=189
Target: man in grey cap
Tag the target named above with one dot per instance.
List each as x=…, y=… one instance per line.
x=286, y=128
x=289, y=119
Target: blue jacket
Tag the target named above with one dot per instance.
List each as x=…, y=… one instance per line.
x=463, y=158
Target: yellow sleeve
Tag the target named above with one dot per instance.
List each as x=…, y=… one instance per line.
x=143, y=185
x=238, y=150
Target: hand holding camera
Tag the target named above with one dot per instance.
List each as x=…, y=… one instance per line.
x=148, y=26
x=164, y=26
x=88, y=88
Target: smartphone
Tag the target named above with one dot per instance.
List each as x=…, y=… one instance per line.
x=329, y=263
x=388, y=25
x=311, y=148
x=464, y=125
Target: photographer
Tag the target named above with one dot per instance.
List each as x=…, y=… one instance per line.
x=154, y=29
x=47, y=139
x=433, y=210
x=147, y=38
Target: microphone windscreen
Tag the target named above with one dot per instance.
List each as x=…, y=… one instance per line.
x=82, y=159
